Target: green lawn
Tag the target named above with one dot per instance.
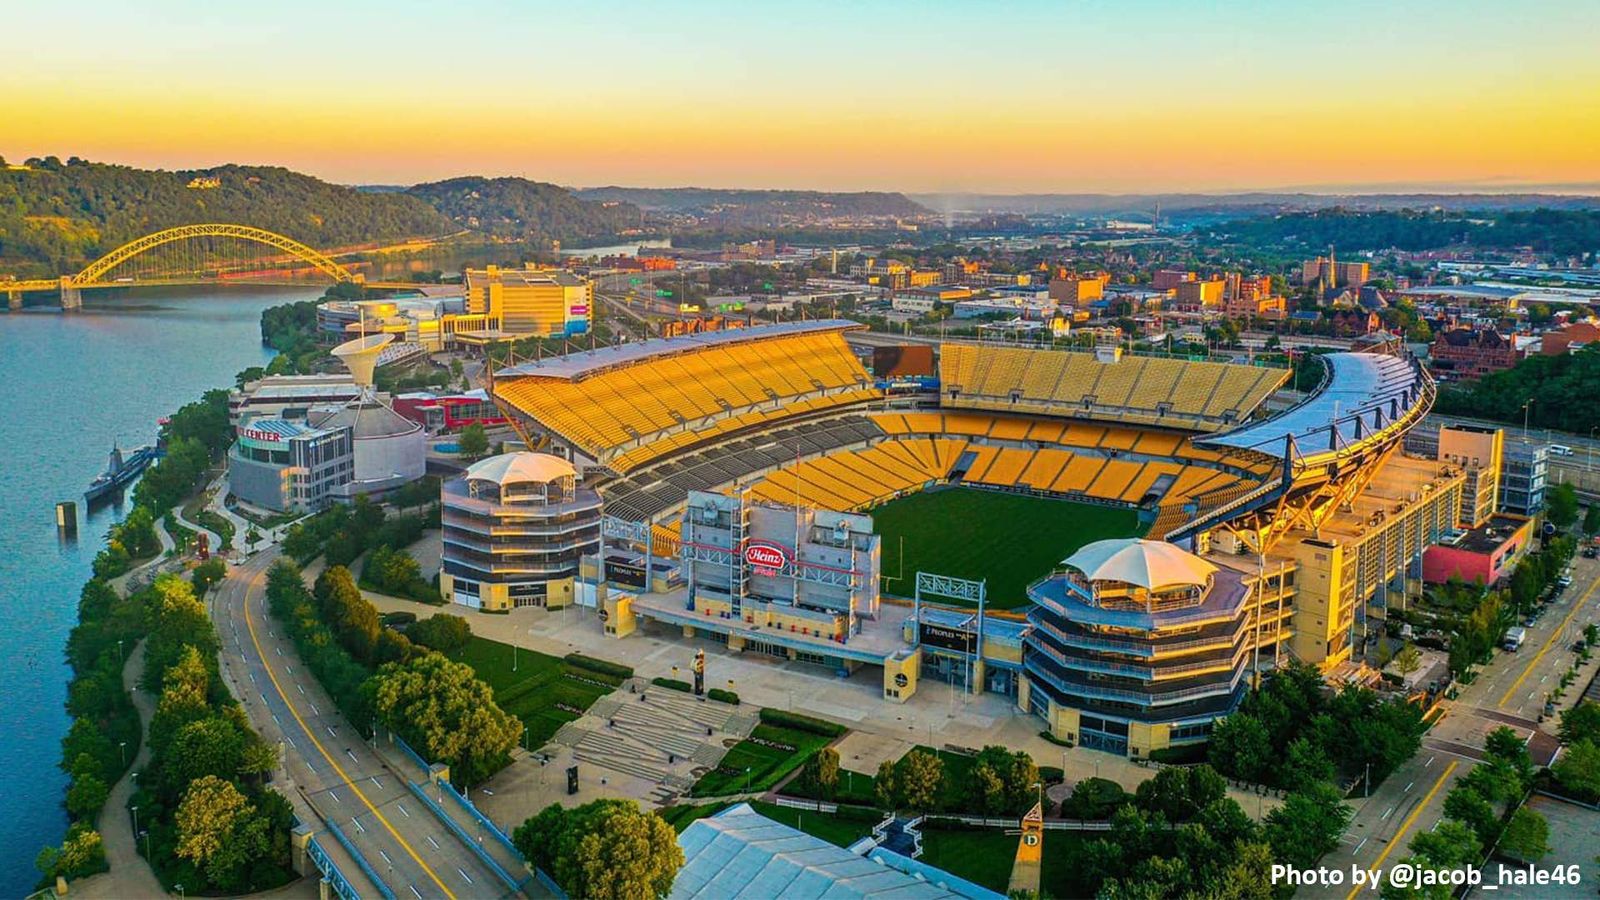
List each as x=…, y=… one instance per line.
x=767, y=765
x=534, y=686
x=1008, y=539
x=984, y=856
x=838, y=830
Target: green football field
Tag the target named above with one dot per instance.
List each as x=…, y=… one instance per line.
x=1008, y=539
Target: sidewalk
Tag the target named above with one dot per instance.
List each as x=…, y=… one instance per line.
x=130, y=877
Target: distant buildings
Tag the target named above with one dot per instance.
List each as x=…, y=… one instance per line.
x=1569, y=338
x=1070, y=287
x=530, y=301
x=1329, y=272
x=1463, y=353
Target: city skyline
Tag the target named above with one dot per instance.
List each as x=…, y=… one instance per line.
x=926, y=98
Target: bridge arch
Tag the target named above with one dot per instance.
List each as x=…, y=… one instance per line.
x=95, y=271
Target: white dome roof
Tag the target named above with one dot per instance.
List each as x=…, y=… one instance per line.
x=518, y=468
x=1148, y=564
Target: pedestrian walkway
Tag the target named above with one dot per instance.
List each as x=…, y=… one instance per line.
x=130, y=876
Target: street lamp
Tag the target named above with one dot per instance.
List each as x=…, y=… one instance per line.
x=1526, y=409
x=146, y=836
x=123, y=749
x=135, y=811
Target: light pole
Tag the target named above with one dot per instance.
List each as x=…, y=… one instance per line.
x=123, y=749
x=1526, y=410
x=135, y=811
x=146, y=836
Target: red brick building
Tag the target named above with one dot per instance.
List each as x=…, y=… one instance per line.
x=1464, y=353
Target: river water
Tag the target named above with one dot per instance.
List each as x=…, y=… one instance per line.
x=74, y=384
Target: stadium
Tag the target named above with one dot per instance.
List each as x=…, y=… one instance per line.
x=1118, y=542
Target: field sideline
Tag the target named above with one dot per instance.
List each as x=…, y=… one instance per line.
x=1009, y=539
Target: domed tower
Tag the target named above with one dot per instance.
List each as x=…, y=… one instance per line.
x=515, y=529
x=390, y=449
x=1138, y=645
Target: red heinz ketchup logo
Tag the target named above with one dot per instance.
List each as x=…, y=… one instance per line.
x=765, y=555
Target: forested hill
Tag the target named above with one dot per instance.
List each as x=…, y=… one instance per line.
x=1559, y=231
x=761, y=208
x=525, y=210
x=55, y=217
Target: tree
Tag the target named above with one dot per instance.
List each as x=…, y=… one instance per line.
x=1179, y=793
x=474, y=441
x=1450, y=846
x=918, y=776
x=444, y=711
x=208, y=573
x=1241, y=747
x=821, y=773
x=1527, y=836
x=86, y=796
x=1505, y=745
x=442, y=632
x=1591, y=519
x=206, y=818
x=605, y=849
x=1094, y=798
x=1307, y=764
x=1561, y=505
x=1307, y=825
x=1467, y=806
x=211, y=746
x=1408, y=660
x=885, y=788
x=1578, y=769
x=985, y=792
x=1582, y=722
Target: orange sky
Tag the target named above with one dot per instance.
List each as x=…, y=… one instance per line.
x=1135, y=96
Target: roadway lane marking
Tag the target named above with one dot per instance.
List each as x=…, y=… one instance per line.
x=351, y=755
x=375, y=782
x=385, y=857
x=464, y=874
x=414, y=891
x=1405, y=826
x=1359, y=846
x=300, y=689
x=1386, y=813
x=433, y=842
x=1409, y=786
x=402, y=808
x=250, y=626
x=334, y=796
x=357, y=823
x=315, y=711
x=1549, y=642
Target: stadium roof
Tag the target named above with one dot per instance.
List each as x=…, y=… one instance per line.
x=739, y=853
x=1148, y=564
x=576, y=365
x=1356, y=382
x=517, y=468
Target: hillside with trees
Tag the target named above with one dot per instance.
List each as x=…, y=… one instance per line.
x=753, y=208
x=1562, y=388
x=1557, y=231
x=519, y=209
x=57, y=216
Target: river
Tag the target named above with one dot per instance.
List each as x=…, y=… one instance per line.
x=75, y=384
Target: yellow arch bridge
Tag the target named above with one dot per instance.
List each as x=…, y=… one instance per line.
x=100, y=273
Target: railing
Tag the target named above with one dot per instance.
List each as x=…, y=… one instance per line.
x=461, y=833
x=1142, y=698
x=1151, y=647
x=360, y=860
x=488, y=825
x=411, y=754
x=325, y=865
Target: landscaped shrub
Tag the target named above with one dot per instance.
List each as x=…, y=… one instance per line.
x=723, y=696
x=615, y=670
x=672, y=684
x=802, y=723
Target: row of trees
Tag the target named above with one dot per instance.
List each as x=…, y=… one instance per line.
x=213, y=823
x=1562, y=388
x=1484, y=810
x=1182, y=836
x=105, y=733
x=998, y=782
x=1291, y=734
x=603, y=850
x=378, y=676
x=1578, y=769
x=342, y=533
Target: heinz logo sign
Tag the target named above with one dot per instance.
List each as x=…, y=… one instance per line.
x=765, y=555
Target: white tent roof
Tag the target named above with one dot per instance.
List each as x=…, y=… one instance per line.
x=1148, y=564
x=517, y=468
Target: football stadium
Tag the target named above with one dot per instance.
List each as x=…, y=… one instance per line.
x=1120, y=543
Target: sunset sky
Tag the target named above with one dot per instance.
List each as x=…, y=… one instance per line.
x=1070, y=95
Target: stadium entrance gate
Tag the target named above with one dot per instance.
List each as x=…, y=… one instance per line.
x=953, y=649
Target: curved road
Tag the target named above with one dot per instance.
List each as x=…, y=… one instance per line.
x=335, y=776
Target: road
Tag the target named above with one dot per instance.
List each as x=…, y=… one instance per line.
x=335, y=776
x=1509, y=691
